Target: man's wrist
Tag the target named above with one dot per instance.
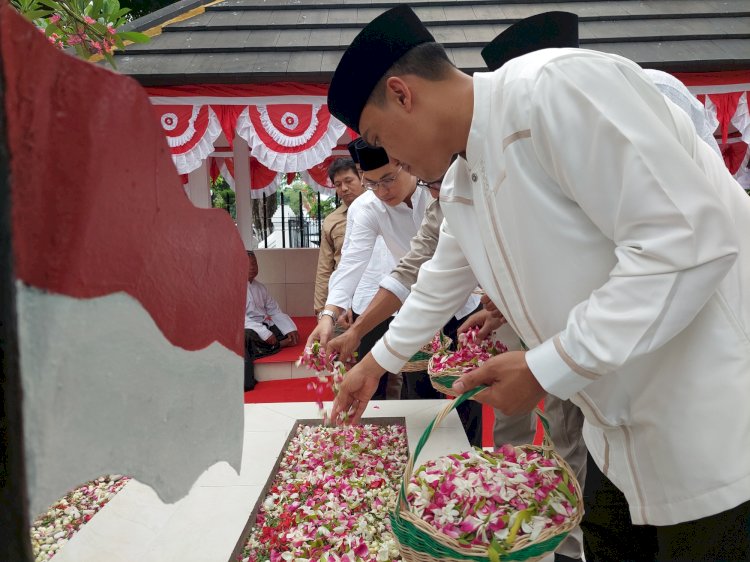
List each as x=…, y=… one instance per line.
x=354, y=329
x=371, y=368
x=327, y=313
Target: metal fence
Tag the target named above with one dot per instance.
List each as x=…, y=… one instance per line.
x=287, y=227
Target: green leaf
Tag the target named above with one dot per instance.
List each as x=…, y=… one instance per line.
x=566, y=492
x=134, y=36
x=495, y=550
x=96, y=7
x=100, y=28
x=36, y=14
x=52, y=28
x=51, y=4
x=110, y=60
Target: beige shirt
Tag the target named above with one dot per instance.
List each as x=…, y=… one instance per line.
x=331, y=242
x=423, y=245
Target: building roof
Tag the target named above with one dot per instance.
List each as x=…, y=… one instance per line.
x=259, y=41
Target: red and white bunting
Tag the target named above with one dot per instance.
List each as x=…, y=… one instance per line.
x=289, y=137
x=262, y=180
x=191, y=131
x=317, y=176
x=289, y=129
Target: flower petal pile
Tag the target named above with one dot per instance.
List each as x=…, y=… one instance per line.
x=59, y=523
x=438, y=344
x=493, y=499
x=471, y=352
x=322, y=365
x=331, y=497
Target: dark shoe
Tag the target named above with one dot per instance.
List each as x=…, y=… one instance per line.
x=250, y=386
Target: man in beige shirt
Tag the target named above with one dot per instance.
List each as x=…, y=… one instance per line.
x=345, y=178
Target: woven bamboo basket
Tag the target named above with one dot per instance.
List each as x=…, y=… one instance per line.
x=443, y=381
x=420, y=542
x=420, y=360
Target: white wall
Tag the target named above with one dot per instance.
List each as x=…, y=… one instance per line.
x=106, y=393
x=289, y=275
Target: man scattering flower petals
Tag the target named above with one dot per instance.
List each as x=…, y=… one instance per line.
x=614, y=242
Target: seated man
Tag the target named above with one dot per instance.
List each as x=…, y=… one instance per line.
x=267, y=328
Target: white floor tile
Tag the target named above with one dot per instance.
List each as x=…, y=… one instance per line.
x=260, y=418
x=120, y=531
x=205, y=525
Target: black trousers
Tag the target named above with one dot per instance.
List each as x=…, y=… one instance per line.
x=610, y=536
x=366, y=344
x=255, y=348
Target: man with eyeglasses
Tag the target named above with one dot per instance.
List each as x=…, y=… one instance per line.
x=393, y=208
x=344, y=175
x=551, y=29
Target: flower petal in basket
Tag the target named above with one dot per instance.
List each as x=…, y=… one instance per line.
x=518, y=504
x=445, y=366
x=420, y=360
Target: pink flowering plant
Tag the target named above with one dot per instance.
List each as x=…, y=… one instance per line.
x=329, y=372
x=89, y=27
x=331, y=498
x=53, y=528
x=493, y=499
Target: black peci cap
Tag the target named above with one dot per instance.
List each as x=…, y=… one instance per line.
x=353, y=146
x=374, y=50
x=371, y=158
x=542, y=31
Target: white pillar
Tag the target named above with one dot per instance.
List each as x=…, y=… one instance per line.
x=197, y=188
x=242, y=191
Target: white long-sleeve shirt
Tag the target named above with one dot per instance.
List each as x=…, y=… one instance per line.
x=368, y=218
x=261, y=309
x=381, y=264
x=617, y=245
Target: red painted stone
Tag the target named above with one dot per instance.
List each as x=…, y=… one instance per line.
x=98, y=206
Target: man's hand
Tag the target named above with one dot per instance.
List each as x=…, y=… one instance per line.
x=486, y=321
x=322, y=332
x=291, y=339
x=345, y=344
x=346, y=319
x=512, y=386
x=490, y=307
x=355, y=392
x=271, y=340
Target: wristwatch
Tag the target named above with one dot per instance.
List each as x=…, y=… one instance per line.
x=326, y=312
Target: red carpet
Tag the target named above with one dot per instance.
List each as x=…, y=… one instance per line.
x=305, y=326
x=287, y=390
x=295, y=390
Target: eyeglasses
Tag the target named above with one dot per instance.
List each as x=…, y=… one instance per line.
x=385, y=182
x=430, y=184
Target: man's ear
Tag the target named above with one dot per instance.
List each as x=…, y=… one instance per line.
x=398, y=92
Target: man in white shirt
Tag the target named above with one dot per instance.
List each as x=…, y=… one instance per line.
x=615, y=243
x=267, y=327
x=393, y=208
